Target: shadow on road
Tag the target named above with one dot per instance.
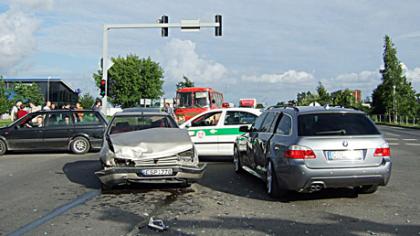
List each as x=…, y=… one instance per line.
x=222, y=177
x=83, y=173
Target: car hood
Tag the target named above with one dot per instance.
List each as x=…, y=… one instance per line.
x=150, y=143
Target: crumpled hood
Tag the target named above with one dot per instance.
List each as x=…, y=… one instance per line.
x=150, y=143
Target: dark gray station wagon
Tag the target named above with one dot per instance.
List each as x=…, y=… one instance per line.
x=77, y=131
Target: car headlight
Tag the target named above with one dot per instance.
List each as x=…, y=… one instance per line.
x=186, y=156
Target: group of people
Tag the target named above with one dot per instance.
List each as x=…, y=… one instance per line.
x=20, y=110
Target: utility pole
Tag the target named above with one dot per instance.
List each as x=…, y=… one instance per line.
x=394, y=104
x=185, y=25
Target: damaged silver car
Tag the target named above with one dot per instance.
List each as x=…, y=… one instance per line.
x=147, y=147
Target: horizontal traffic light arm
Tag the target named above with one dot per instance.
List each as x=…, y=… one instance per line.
x=161, y=25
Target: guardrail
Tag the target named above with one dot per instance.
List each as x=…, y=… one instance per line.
x=405, y=121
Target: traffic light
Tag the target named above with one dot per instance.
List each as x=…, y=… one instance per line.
x=164, y=20
x=102, y=88
x=218, y=29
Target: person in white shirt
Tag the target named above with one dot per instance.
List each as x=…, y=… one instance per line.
x=47, y=106
x=15, y=109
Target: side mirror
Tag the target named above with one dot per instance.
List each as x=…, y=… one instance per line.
x=244, y=129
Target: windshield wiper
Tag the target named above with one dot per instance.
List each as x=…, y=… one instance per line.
x=340, y=131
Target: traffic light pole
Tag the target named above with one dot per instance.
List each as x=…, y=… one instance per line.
x=185, y=25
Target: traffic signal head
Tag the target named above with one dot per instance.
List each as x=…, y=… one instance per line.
x=164, y=20
x=218, y=29
x=102, y=88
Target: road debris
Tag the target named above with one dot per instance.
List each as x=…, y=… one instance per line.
x=157, y=224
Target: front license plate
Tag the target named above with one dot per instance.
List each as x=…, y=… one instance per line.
x=154, y=172
x=345, y=155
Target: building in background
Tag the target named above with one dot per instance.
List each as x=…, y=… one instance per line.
x=357, y=94
x=54, y=89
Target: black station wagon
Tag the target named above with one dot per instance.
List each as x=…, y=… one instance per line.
x=77, y=131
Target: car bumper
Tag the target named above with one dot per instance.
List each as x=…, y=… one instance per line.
x=122, y=175
x=300, y=178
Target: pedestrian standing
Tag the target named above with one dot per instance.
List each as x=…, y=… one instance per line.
x=47, y=106
x=53, y=107
x=98, y=105
x=15, y=109
x=33, y=107
x=22, y=112
x=168, y=109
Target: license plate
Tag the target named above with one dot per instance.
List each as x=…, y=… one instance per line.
x=154, y=172
x=345, y=155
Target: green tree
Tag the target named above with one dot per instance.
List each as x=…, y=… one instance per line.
x=132, y=78
x=28, y=93
x=323, y=95
x=395, y=95
x=304, y=99
x=5, y=104
x=343, y=98
x=187, y=83
x=86, y=101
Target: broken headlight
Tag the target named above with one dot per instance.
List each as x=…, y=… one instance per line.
x=186, y=156
x=120, y=162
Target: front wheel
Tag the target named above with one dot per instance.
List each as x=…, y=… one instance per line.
x=80, y=145
x=367, y=189
x=272, y=185
x=237, y=160
x=3, y=147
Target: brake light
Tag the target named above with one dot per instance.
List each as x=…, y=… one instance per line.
x=299, y=152
x=382, y=152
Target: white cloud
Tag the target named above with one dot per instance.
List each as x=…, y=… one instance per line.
x=17, y=38
x=33, y=4
x=180, y=58
x=288, y=77
x=412, y=75
x=361, y=80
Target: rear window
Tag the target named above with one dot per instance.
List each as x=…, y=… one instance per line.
x=335, y=124
x=122, y=124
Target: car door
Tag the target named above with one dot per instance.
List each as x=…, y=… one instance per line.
x=253, y=135
x=229, y=130
x=279, y=143
x=203, y=131
x=91, y=124
x=262, y=140
x=58, y=130
x=26, y=134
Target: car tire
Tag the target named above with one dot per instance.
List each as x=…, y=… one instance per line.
x=237, y=160
x=80, y=145
x=367, y=189
x=3, y=147
x=272, y=185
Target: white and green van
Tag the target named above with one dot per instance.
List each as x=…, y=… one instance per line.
x=214, y=132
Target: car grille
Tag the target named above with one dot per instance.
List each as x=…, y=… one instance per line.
x=172, y=160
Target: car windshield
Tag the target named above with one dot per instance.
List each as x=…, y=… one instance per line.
x=122, y=124
x=201, y=99
x=335, y=124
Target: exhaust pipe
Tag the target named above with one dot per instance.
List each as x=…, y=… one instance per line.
x=315, y=187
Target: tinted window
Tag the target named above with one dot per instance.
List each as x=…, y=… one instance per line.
x=209, y=119
x=239, y=118
x=268, y=122
x=58, y=119
x=122, y=124
x=86, y=118
x=335, y=124
x=285, y=125
x=259, y=121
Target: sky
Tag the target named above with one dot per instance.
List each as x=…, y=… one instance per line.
x=270, y=49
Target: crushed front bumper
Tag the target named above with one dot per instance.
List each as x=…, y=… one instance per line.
x=122, y=175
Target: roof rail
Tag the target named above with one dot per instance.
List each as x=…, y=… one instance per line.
x=283, y=106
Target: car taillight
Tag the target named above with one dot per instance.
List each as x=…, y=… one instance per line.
x=382, y=152
x=299, y=152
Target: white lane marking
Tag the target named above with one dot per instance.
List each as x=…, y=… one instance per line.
x=412, y=144
x=392, y=139
x=56, y=212
x=394, y=144
x=391, y=134
x=409, y=139
x=395, y=127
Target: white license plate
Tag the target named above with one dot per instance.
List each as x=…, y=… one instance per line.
x=345, y=155
x=154, y=172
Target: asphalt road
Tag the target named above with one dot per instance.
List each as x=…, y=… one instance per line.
x=222, y=203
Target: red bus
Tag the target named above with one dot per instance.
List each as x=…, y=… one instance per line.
x=192, y=101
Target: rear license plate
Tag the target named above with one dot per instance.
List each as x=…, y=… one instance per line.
x=349, y=155
x=155, y=172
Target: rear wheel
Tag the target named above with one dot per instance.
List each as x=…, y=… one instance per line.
x=3, y=147
x=80, y=145
x=367, y=189
x=236, y=160
x=272, y=185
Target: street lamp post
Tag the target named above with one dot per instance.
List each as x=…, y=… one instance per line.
x=185, y=25
x=394, y=107
x=48, y=89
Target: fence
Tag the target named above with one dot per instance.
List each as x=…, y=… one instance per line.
x=398, y=120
